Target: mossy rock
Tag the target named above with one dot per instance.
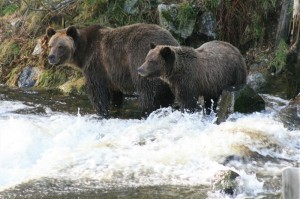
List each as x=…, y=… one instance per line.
x=290, y=115
x=179, y=19
x=225, y=181
x=242, y=99
x=248, y=101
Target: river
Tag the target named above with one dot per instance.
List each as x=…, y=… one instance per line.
x=54, y=146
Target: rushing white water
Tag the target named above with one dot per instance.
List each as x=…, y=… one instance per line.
x=167, y=148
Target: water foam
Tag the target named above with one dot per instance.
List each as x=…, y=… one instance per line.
x=169, y=147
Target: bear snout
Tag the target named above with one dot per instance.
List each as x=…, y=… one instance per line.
x=51, y=59
x=141, y=71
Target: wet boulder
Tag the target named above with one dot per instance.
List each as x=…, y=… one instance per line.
x=28, y=77
x=257, y=81
x=225, y=181
x=290, y=115
x=242, y=99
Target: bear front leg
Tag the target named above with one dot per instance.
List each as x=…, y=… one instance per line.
x=186, y=100
x=98, y=92
x=153, y=94
x=146, y=95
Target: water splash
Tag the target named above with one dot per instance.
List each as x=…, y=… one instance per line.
x=167, y=148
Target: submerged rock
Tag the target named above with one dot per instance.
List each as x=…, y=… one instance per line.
x=290, y=115
x=242, y=99
x=28, y=77
x=225, y=181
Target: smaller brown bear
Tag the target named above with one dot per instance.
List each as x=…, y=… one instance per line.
x=191, y=73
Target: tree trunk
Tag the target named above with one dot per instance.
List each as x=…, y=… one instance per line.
x=296, y=25
x=283, y=28
x=293, y=56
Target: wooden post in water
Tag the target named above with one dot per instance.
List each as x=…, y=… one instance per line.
x=291, y=183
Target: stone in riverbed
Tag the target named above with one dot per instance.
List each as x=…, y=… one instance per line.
x=225, y=181
x=291, y=183
x=290, y=115
x=28, y=77
x=242, y=99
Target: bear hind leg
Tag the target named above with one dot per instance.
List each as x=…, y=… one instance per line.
x=210, y=104
x=187, y=102
x=117, y=98
x=164, y=97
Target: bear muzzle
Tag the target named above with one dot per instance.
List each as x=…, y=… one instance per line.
x=142, y=72
x=52, y=59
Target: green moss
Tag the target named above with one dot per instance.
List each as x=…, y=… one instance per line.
x=9, y=50
x=186, y=13
x=278, y=62
x=52, y=78
x=115, y=13
x=91, y=11
x=119, y=17
x=8, y=9
x=179, y=19
x=211, y=5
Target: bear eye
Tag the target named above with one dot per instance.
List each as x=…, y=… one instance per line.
x=60, y=47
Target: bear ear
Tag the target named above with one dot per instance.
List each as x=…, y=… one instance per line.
x=72, y=32
x=152, y=45
x=169, y=56
x=166, y=53
x=50, y=32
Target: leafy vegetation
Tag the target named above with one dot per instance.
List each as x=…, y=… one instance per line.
x=180, y=19
x=279, y=60
x=242, y=22
x=7, y=8
x=10, y=49
x=53, y=77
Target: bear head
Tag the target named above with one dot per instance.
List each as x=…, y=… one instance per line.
x=61, y=45
x=159, y=62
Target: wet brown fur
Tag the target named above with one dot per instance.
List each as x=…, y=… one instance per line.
x=109, y=59
x=191, y=73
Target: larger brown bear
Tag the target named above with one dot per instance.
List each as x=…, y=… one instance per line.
x=109, y=59
x=191, y=73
